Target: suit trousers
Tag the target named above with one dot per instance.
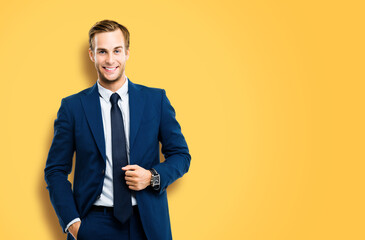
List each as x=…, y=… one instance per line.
x=99, y=225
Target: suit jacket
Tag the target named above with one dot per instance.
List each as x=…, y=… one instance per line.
x=79, y=128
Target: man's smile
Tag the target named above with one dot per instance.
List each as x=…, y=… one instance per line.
x=110, y=69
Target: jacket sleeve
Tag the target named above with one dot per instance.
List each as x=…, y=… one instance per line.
x=174, y=146
x=59, y=165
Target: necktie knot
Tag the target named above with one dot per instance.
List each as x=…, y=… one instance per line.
x=114, y=98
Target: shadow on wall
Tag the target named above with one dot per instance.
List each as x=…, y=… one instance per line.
x=48, y=211
x=87, y=65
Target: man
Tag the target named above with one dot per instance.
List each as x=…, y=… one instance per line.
x=115, y=127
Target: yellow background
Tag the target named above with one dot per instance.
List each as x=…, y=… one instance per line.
x=269, y=94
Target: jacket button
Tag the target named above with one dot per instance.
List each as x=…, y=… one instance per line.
x=103, y=171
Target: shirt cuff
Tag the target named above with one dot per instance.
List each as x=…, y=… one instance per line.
x=72, y=222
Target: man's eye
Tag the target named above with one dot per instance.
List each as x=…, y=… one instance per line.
x=117, y=51
x=102, y=52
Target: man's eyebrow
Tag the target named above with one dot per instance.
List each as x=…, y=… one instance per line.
x=98, y=49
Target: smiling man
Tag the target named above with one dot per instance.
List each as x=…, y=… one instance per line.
x=115, y=128
x=109, y=52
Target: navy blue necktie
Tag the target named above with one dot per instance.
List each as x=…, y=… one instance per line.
x=122, y=195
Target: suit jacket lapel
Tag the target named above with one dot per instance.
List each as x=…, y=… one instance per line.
x=136, y=106
x=91, y=104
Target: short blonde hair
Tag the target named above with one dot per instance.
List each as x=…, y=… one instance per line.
x=108, y=26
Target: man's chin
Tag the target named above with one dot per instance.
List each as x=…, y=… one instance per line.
x=106, y=80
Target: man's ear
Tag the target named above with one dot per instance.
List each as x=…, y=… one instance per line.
x=91, y=55
x=127, y=54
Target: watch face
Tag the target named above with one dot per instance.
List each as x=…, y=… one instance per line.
x=155, y=181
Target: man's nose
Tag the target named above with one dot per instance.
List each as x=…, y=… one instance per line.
x=110, y=59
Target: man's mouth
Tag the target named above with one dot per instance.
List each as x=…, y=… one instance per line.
x=110, y=69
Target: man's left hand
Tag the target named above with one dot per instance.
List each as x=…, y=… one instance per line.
x=137, y=178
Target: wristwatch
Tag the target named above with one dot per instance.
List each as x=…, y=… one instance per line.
x=155, y=179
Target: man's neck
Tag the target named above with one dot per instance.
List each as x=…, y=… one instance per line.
x=113, y=86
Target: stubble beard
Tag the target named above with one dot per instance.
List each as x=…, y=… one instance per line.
x=103, y=79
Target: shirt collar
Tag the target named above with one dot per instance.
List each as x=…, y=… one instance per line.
x=106, y=93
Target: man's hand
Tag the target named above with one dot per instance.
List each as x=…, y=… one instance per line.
x=74, y=229
x=137, y=178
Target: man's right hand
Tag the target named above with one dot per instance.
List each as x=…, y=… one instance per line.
x=74, y=229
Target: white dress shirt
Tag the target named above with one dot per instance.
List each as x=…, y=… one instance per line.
x=106, y=197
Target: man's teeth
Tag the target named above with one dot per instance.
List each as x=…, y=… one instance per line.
x=110, y=68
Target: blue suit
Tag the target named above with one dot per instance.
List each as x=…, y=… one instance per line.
x=79, y=128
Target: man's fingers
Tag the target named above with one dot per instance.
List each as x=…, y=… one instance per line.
x=129, y=183
x=131, y=173
x=135, y=177
x=130, y=167
x=131, y=179
x=132, y=188
x=135, y=188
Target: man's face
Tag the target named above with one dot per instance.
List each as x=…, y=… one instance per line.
x=109, y=55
